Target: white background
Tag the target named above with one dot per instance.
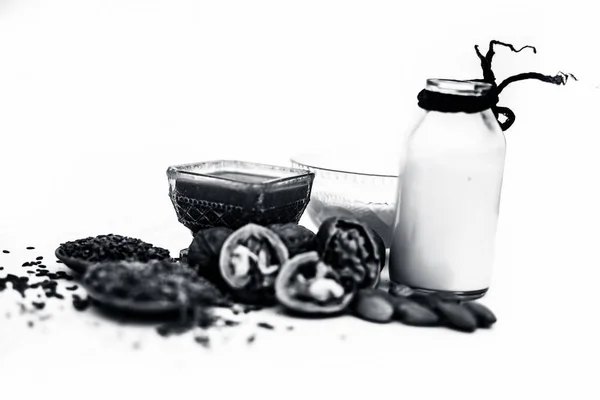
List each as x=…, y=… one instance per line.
x=97, y=98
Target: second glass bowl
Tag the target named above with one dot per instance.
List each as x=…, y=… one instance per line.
x=363, y=187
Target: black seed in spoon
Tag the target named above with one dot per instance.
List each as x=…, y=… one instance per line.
x=265, y=325
x=113, y=248
x=71, y=288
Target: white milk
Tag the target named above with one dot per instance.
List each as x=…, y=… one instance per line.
x=449, y=202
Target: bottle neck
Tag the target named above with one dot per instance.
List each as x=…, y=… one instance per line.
x=458, y=88
x=452, y=96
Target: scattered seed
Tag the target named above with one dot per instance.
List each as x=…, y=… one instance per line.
x=251, y=339
x=30, y=324
x=265, y=325
x=80, y=304
x=71, y=288
x=5, y=251
x=30, y=248
x=238, y=309
x=250, y=308
x=203, y=340
x=19, y=284
x=176, y=328
x=39, y=258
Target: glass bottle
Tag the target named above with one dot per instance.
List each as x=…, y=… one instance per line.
x=448, y=197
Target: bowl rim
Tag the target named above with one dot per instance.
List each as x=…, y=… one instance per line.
x=292, y=173
x=339, y=171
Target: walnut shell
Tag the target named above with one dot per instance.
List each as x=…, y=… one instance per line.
x=289, y=296
x=352, y=249
x=241, y=266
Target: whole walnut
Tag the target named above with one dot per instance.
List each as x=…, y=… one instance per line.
x=203, y=253
x=296, y=238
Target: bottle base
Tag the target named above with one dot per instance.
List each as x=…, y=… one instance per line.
x=462, y=295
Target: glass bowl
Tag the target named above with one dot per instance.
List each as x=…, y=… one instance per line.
x=359, y=186
x=234, y=193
